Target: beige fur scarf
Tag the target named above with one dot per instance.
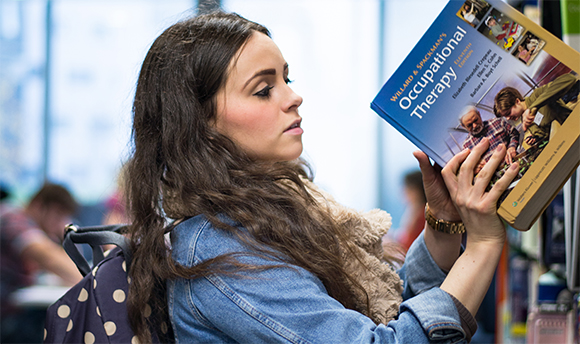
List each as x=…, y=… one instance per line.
x=381, y=282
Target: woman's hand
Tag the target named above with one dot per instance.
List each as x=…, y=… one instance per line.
x=478, y=208
x=444, y=248
x=438, y=197
x=471, y=275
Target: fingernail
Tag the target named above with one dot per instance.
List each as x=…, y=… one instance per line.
x=499, y=148
x=514, y=166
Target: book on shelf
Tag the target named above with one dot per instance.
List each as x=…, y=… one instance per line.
x=554, y=241
x=571, y=195
x=483, y=69
x=570, y=28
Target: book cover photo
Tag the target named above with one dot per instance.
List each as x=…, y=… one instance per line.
x=490, y=73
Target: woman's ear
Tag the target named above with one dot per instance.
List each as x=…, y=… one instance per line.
x=212, y=121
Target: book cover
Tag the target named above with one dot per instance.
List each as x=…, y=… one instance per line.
x=473, y=74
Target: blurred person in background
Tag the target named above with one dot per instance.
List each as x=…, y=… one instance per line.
x=414, y=215
x=30, y=239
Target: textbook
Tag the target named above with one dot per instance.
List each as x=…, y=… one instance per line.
x=483, y=69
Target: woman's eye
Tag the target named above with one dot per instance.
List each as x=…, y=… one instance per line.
x=287, y=81
x=264, y=92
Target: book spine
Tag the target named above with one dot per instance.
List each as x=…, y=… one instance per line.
x=571, y=23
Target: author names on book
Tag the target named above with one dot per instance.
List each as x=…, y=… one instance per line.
x=480, y=73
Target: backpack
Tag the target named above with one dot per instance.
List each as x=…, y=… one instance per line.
x=94, y=310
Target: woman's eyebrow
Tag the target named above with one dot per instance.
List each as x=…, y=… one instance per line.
x=269, y=71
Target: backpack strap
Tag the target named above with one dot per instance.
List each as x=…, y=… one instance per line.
x=94, y=236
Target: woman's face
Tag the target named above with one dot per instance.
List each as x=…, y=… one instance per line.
x=256, y=108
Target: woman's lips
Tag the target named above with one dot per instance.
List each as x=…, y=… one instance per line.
x=295, y=128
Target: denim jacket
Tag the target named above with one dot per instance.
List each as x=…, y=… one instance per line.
x=288, y=304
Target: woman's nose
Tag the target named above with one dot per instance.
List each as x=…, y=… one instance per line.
x=294, y=100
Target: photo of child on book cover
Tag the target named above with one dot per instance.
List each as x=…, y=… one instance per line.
x=522, y=111
x=472, y=11
x=528, y=48
x=501, y=29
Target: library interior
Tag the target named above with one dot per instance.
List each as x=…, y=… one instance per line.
x=350, y=224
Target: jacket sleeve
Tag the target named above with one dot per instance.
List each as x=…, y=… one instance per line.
x=287, y=304
x=420, y=272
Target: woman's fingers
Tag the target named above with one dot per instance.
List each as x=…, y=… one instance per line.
x=502, y=184
x=487, y=172
x=484, y=177
x=451, y=169
x=436, y=190
x=424, y=164
x=453, y=165
x=467, y=169
x=458, y=175
x=430, y=172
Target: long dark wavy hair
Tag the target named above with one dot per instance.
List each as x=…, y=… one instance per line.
x=181, y=167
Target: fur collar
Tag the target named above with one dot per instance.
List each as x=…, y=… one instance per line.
x=380, y=280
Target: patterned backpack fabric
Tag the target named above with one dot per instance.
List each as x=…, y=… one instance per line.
x=95, y=310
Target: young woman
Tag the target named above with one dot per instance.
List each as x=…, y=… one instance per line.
x=258, y=253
